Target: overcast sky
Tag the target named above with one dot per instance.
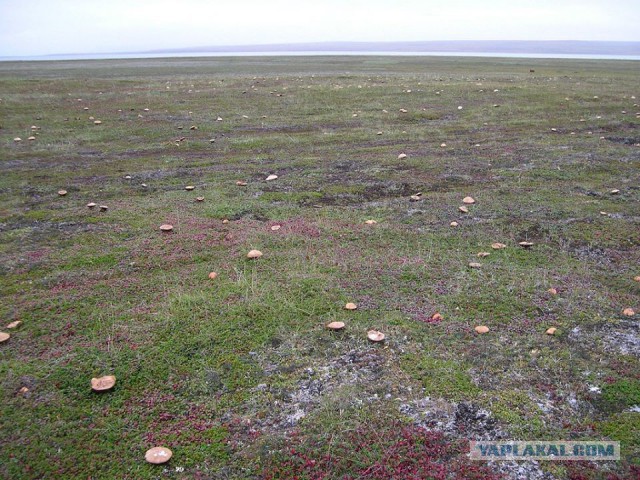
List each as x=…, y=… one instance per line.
x=38, y=27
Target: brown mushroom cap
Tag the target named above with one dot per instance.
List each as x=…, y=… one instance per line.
x=468, y=200
x=199, y=199
x=62, y=193
x=350, y=306
x=525, y=244
x=213, y=275
x=481, y=329
x=375, y=336
x=103, y=383
x=436, y=316
x=335, y=325
x=629, y=312
x=498, y=245
x=91, y=205
x=225, y=221
x=189, y=187
x=475, y=265
x=551, y=331
x=104, y=208
x=31, y=138
x=4, y=337
x=370, y=222
x=483, y=254
x=15, y=324
x=166, y=227
x=241, y=183
x=158, y=455
x=552, y=291
x=254, y=254
x=637, y=279
x=463, y=209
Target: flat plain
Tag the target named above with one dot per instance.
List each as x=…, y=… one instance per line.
x=238, y=375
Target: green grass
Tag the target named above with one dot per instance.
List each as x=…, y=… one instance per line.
x=233, y=373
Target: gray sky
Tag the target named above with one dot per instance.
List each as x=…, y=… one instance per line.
x=38, y=27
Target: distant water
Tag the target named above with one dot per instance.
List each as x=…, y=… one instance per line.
x=107, y=56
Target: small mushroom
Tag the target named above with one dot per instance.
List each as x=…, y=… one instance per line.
x=166, y=227
x=91, y=205
x=475, y=265
x=468, y=200
x=213, y=275
x=225, y=221
x=498, y=246
x=615, y=191
x=15, y=324
x=158, y=455
x=629, y=312
x=526, y=244
x=103, y=384
x=402, y=156
x=463, y=209
x=275, y=227
x=17, y=139
x=370, y=222
x=443, y=145
x=350, y=306
x=481, y=329
x=415, y=198
x=436, y=317
x=4, y=337
x=551, y=331
x=271, y=177
x=637, y=278
x=552, y=291
x=483, y=254
x=104, y=208
x=193, y=127
x=335, y=325
x=97, y=122
x=31, y=138
x=62, y=193
x=375, y=336
x=241, y=183
x=453, y=224
x=189, y=188
x=199, y=199
x=23, y=390
x=254, y=254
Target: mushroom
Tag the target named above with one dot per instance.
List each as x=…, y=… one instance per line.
x=375, y=336
x=225, y=221
x=615, y=191
x=443, y=145
x=415, y=198
x=4, y=337
x=453, y=224
x=254, y=254
x=158, y=455
x=91, y=205
x=213, y=275
x=97, y=122
x=271, y=177
x=370, y=222
x=468, y=200
x=463, y=209
x=17, y=139
x=552, y=291
x=629, y=312
x=62, y=193
x=483, y=254
x=189, y=188
x=402, y=156
x=498, y=245
x=104, y=208
x=551, y=331
x=275, y=227
x=199, y=199
x=475, y=265
x=103, y=384
x=31, y=138
x=481, y=329
x=350, y=306
x=526, y=244
x=335, y=325
x=436, y=317
x=15, y=324
x=166, y=227
x=637, y=278
x=241, y=183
